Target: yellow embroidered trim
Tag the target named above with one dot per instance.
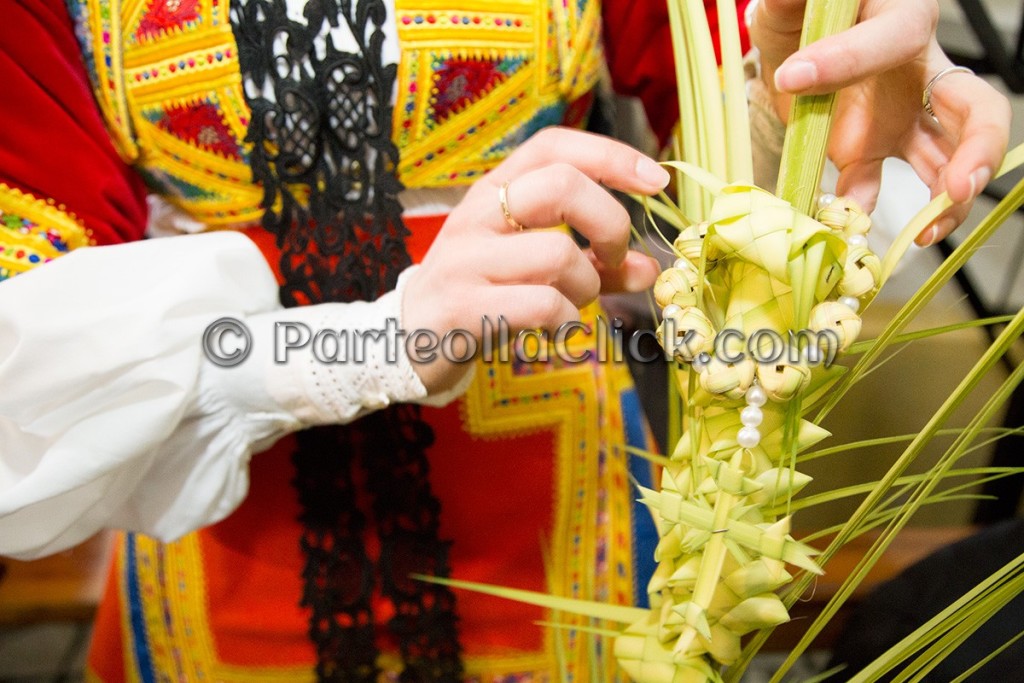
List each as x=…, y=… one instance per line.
x=543, y=54
x=233, y=198
x=582, y=58
x=540, y=55
x=34, y=231
x=502, y=402
x=105, y=30
x=157, y=73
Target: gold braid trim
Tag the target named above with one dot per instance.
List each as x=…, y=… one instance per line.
x=34, y=231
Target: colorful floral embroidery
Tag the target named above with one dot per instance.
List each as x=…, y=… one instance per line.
x=98, y=27
x=200, y=124
x=162, y=16
x=459, y=82
x=474, y=83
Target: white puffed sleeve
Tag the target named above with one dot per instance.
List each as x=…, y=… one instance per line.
x=112, y=417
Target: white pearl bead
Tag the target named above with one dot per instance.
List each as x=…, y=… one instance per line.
x=748, y=437
x=857, y=241
x=700, y=362
x=851, y=302
x=751, y=416
x=682, y=264
x=756, y=396
x=825, y=200
x=671, y=310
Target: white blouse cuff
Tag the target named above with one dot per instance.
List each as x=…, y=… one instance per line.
x=327, y=364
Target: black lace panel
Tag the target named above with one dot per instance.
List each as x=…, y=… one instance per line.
x=320, y=130
x=409, y=517
x=337, y=579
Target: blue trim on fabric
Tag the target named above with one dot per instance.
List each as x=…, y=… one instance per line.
x=645, y=534
x=140, y=643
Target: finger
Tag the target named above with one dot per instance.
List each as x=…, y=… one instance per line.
x=776, y=27
x=636, y=273
x=527, y=307
x=602, y=159
x=949, y=219
x=970, y=110
x=561, y=193
x=943, y=225
x=904, y=28
x=928, y=150
x=782, y=17
x=978, y=116
x=544, y=258
x=860, y=181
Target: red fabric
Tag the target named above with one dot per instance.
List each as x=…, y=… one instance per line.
x=257, y=620
x=638, y=46
x=107, y=662
x=422, y=230
x=53, y=142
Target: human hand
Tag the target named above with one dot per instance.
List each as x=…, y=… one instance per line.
x=883, y=65
x=479, y=265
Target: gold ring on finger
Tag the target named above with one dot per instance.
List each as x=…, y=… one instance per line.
x=503, y=200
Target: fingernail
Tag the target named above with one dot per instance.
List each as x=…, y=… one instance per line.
x=979, y=179
x=796, y=75
x=863, y=197
x=927, y=238
x=941, y=228
x=651, y=172
x=642, y=275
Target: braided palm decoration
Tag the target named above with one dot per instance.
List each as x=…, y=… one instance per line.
x=728, y=304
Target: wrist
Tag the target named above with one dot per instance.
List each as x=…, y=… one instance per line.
x=439, y=375
x=332, y=363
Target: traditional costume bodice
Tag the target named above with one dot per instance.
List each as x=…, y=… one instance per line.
x=473, y=82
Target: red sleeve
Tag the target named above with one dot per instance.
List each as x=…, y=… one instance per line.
x=638, y=45
x=53, y=142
